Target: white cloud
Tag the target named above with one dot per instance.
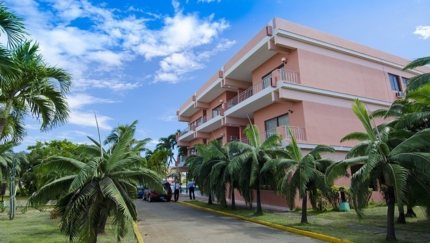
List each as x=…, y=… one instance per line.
x=423, y=31
x=113, y=38
x=168, y=118
x=77, y=116
x=77, y=101
x=32, y=126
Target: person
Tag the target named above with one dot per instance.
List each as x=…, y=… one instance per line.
x=191, y=190
x=177, y=186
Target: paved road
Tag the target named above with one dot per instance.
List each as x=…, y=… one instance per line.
x=164, y=222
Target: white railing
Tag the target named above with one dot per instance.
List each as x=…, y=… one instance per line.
x=248, y=93
x=290, y=76
x=298, y=132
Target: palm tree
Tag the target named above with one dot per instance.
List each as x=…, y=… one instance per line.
x=168, y=144
x=222, y=173
x=104, y=186
x=116, y=134
x=251, y=158
x=298, y=173
x=12, y=26
x=38, y=89
x=199, y=169
x=380, y=165
x=419, y=80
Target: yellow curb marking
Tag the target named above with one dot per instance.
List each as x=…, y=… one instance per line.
x=277, y=226
x=137, y=233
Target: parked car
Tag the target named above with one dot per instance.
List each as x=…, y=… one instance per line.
x=151, y=195
x=140, y=190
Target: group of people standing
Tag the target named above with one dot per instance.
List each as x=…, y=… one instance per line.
x=191, y=185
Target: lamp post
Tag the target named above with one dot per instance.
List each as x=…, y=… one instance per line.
x=344, y=205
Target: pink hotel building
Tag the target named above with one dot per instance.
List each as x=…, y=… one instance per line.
x=292, y=75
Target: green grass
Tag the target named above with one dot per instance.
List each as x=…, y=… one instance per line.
x=338, y=224
x=36, y=226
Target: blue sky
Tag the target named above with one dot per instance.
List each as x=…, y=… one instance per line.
x=140, y=60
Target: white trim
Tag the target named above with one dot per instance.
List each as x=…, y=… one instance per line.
x=307, y=89
x=217, y=82
x=186, y=108
x=326, y=45
x=246, y=56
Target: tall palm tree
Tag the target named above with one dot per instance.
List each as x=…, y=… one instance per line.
x=168, y=144
x=380, y=165
x=222, y=174
x=252, y=157
x=105, y=186
x=199, y=169
x=299, y=174
x=38, y=89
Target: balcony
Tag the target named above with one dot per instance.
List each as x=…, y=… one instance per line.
x=284, y=75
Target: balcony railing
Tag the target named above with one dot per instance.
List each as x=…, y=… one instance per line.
x=248, y=93
x=298, y=132
x=185, y=130
x=285, y=75
x=289, y=76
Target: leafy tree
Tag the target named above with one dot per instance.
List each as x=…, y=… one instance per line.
x=252, y=157
x=34, y=177
x=380, y=165
x=104, y=186
x=299, y=174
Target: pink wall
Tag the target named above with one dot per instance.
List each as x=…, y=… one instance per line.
x=328, y=124
x=337, y=41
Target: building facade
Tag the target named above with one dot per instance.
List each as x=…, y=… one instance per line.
x=292, y=75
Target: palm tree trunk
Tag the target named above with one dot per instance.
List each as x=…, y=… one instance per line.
x=410, y=212
x=401, y=219
x=259, y=209
x=391, y=234
x=304, y=209
x=210, y=198
x=233, y=203
x=102, y=223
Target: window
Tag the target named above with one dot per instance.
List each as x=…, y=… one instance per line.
x=405, y=81
x=394, y=82
x=193, y=151
x=216, y=111
x=273, y=123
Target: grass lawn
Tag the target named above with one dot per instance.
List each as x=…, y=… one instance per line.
x=36, y=226
x=341, y=225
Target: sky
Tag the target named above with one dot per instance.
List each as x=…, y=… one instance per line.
x=142, y=59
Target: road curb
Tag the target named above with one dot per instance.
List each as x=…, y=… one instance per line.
x=139, y=237
x=277, y=226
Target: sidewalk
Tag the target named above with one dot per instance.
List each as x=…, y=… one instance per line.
x=400, y=234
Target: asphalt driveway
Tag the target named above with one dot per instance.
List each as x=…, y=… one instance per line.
x=164, y=222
